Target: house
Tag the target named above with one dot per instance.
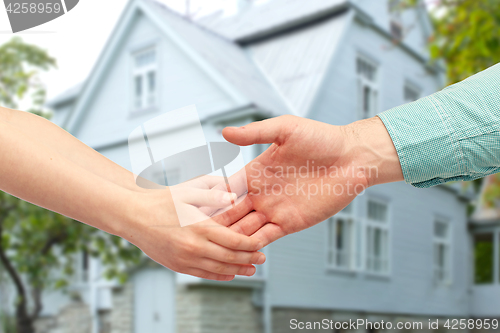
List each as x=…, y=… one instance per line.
x=397, y=253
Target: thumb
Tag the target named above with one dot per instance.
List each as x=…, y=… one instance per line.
x=260, y=132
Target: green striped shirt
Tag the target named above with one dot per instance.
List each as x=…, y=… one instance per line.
x=453, y=134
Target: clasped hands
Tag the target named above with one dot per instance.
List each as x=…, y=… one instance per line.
x=311, y=171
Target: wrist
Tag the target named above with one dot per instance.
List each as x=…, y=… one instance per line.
x=146, y=210
x=371, y=148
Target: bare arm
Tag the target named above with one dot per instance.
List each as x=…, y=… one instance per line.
x=66, y=145
x=33, y=171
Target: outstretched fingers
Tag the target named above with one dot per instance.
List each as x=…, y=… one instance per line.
x=249, y=224
x=259, y=132
x=233, y=240
x=269, y=233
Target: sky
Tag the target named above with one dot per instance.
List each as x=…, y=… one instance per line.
x=77, y=38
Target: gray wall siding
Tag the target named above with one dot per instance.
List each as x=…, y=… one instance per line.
x=299, y=277
x=337, y=100
x=181, y=82
x=412, y=21
x=484, y=301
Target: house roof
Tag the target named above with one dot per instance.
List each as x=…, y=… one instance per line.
x=278, y=75
x=297, y=62
x=272, y=16
x=227, y=58
x=67, y=96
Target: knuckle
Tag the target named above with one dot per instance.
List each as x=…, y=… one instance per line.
x=288, y=117
x=235, y=242
x=237, y=228
x=202, y=231
x=230, y=257
x=219, y=269
x=190, y=247
x=255, y=257
x=204, y=275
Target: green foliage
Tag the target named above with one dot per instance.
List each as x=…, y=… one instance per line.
x=42, y=245
x=483, y=257
x=36, y=244
x=467, y=36
x=467, y=39
x=7, y=324
x=19, y=67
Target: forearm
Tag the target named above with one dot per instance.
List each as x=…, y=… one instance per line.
x=66, y=145
x=36, y=173
x=370, y=148
x=451, y=135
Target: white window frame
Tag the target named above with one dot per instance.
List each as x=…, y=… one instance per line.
x=350, y=252
x=385, y=228
x=447, y=243
x=143, y=73
x=367, y=83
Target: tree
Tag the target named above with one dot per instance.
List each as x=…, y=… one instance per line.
x=37, y=246
x=466, y=37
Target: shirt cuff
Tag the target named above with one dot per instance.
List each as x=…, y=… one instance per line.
x=429, y=151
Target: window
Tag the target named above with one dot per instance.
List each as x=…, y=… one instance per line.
x=411, y=93
x=368, y=91
x=145, y=79
x=484, y=258
x=377, y=237
x=341, y=239
x=442, y=251
x=396, y=25
x=396, y=30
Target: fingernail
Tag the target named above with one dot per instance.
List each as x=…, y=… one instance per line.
x=250, y=271
x=261, y=259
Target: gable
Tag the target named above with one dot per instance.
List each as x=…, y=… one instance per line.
x=230, y=62
x=108, y=117
x=295, y=62
x=220, y=61
x=415, y=22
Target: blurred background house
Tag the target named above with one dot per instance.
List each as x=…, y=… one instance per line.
x=397, y=253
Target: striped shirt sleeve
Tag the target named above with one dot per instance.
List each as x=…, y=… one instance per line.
x=453, y=134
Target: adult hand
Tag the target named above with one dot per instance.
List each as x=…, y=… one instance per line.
x=205, y=249
x=311, y=171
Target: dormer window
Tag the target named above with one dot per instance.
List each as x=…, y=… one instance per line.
x=145, y=79
x=396, y=30
x=395, y=22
